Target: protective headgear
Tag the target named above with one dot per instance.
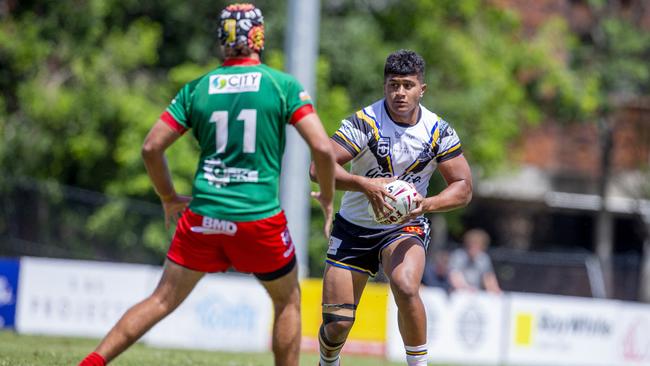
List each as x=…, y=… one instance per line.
x=242, y=24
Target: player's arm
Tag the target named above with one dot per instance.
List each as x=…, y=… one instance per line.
x=373, y=188
x=159, y=138
x=458, y=192
x=312, y=131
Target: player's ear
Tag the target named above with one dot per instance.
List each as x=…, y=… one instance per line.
x=423, y=88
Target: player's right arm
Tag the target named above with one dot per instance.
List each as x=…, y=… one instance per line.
x=312, y=131
x=159, y=138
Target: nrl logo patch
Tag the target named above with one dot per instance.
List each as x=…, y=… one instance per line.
x=383, y=147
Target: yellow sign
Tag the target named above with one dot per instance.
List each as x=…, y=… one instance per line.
x=370, y=322
x=524, y=329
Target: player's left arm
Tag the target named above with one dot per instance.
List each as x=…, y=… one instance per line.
x=458, y=192
x=159, y=138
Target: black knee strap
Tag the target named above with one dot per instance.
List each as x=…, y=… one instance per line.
x=338, y=312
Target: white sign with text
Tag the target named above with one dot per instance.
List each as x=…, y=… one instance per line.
x=77, y=298
x=224, y=312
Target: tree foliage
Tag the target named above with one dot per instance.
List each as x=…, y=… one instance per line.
x=81, y=82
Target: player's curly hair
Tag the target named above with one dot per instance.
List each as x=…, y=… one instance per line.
x=404, y=62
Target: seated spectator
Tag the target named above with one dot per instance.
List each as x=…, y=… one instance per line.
x=470, y=268
x=436, y=270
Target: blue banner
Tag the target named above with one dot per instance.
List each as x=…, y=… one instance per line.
x=9, y=269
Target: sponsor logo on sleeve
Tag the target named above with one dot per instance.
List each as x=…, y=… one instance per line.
x=235, y=83
x=304, y=96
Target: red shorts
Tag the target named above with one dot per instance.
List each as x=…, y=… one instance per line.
x=205, y=244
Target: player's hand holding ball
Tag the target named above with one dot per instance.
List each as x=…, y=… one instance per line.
x=403, y=200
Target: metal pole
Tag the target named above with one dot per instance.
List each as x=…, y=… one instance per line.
x=644, y=283
x=301, y=51
x=604, y=229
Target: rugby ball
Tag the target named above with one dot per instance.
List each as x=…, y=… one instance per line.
x=405, y=194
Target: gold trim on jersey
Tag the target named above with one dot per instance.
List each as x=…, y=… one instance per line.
x=434, y=139
x=454, y=148
x=436, y=134
x=341, y=135
x=361, y=114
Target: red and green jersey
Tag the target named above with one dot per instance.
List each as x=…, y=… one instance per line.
x=238, y=114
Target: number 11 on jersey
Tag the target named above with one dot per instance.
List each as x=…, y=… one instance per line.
x=249, y=116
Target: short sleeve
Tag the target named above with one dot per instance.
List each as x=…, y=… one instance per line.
x=485, y=264
x=457, y=260
x=448, y=144
x=352, y=135
x=299, y=103
x=177, y=114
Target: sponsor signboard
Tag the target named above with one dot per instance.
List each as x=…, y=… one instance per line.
x=368, y=335
x=9, y=269
x=464, y=327
x=477, y=328
x=224, y=312
x=76, y=298
x=435, y=304
x=633, y=343
x=562, y=330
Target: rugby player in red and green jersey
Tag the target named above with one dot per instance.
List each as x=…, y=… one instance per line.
x=238, y=114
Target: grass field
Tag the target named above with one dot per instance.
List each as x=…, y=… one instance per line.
x=21, y=350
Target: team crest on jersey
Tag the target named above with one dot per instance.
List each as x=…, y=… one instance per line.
x=235, y=83
x=383, y=147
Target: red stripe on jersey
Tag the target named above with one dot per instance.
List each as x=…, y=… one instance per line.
x=171, y=122
x=300, y=113
x=240, y=62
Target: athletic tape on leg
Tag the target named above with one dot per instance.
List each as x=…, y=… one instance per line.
x=338, y=312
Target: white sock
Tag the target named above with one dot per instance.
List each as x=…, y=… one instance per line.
x=416, y=355
x=336, y=362
x=333, y=351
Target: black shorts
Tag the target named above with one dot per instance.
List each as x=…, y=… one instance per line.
x=359, y=249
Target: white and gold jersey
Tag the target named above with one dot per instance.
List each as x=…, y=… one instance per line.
x=384, y=148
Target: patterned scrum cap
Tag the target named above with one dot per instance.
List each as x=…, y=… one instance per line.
x=242, y=24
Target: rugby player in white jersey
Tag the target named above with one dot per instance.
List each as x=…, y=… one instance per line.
x=395, y=137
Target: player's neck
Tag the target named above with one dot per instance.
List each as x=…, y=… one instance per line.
x=252, y=59
x=410, y=118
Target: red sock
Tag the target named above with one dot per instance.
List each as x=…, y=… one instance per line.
x=93, y=359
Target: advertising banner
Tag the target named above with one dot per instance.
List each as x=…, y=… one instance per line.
x=76, y=298
x=435, y=304
x=368, y=335
x=9, y=269
x=463, y=327
x=224, y=312
x=562, y=330
x=477, y=330
x=633, y=343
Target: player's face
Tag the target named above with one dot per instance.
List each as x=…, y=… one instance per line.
x=403, y=94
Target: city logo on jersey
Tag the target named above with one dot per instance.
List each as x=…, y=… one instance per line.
x=235, y=83
x=383, y=147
